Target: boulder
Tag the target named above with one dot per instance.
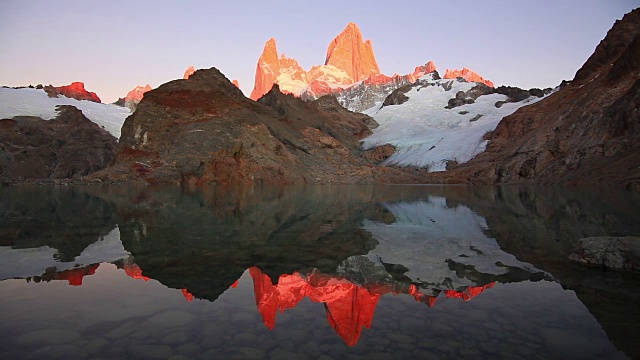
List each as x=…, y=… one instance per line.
x=616, y=253
x=470, y=96
x=397, y=97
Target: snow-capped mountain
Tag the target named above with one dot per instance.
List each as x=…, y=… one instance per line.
x=35, y=102
x=350, y=72
x=367, y=93
x=439, y=120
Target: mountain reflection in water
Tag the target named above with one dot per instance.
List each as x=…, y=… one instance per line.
x=346, y=247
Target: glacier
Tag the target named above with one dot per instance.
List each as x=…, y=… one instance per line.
x=428, y=135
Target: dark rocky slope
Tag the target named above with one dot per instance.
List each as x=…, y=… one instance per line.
x=588, y=132
x=203, y=130
x=66, y=147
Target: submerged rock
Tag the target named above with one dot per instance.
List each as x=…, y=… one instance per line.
x=618, y=253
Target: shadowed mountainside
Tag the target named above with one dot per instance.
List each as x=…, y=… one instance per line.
x=588, y=132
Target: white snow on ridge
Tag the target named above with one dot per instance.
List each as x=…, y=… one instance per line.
x=427, y=135
x=35, y=102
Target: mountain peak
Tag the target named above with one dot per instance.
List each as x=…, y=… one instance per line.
x=75, y=90
x=267, y=70
x=190, y=70
x=135, y=95
x=348, y=52
x=352, y=25
x=467, y=74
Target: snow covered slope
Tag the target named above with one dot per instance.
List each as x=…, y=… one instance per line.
x=427, y=135
x=34, y=102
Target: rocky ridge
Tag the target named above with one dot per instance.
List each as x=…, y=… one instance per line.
x=75, y=90
x=203, y=130
x=468, y=75
x=350, y=73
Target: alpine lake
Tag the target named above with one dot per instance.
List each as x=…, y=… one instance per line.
x=313, y=272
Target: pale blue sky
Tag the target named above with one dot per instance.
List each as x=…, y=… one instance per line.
x=115, y=45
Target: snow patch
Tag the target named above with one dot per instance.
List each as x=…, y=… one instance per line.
x=35, y=102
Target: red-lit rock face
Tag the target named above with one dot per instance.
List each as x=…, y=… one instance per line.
x=136, y=94
x=187, y=295
x=74, y=276
x=236, y=83
x=349, y=60
x=134, y=271
x=468, y=75
x=75, y=90
x=423, y=70
x=469, y=293
x=349, y=306
x=349, y=53
x=267, y=70
x=190, y=70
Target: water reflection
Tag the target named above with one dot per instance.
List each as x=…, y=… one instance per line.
x=358, y=250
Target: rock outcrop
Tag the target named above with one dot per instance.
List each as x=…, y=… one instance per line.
x=588, y=132
x=467, y=74
x=137, y=93
x=66, y=147
x=133, y=97
x=190, y=70
x=348, y=52
x=616, y=253
x=75, y=90
x=203, y=130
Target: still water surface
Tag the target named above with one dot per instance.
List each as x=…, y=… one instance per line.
x=320, y=272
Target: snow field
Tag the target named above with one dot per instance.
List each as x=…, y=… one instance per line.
x=427, y=135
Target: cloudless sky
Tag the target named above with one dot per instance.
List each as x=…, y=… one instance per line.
x=113, y=46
